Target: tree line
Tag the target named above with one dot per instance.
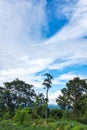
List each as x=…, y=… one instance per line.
x=72, y=102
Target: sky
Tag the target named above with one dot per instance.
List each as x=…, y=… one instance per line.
x=43, y=36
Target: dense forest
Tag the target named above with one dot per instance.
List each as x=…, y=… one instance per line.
x=21, y=106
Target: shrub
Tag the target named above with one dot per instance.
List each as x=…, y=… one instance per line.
x=22, y=117
x=6, y=116
x=56, y=113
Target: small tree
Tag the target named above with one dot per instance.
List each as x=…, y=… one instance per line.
x=62, y=100
x=38, y=108
x=47, y=83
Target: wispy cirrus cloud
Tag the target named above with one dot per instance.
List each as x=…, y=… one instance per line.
x=66, y=9
x=21, y=20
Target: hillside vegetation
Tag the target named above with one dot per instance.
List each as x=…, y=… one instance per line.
x=57, y=125
x=22, y=109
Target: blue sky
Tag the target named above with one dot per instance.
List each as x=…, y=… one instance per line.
x=39, y=36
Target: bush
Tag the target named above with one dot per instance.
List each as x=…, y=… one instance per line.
x=6, y=116
x=22, y=117
x=79, y=127
x=56, y=113
x=69, y=125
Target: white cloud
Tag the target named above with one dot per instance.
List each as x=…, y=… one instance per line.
x=19, y=28
x=21, y=23
x=19, y=20
x=22, y=49
x=67, y=76
x=66, y=9
x=53, y=96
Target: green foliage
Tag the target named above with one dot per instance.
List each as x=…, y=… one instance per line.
x=69, y=125
x=6, y=116
x=7, y=125
x=56, y=113
x=38, y=111
x=19, y=103
x=74, y=98
x=41, y=125
x=39, y=108
x=14, y=94
x=23, y=116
